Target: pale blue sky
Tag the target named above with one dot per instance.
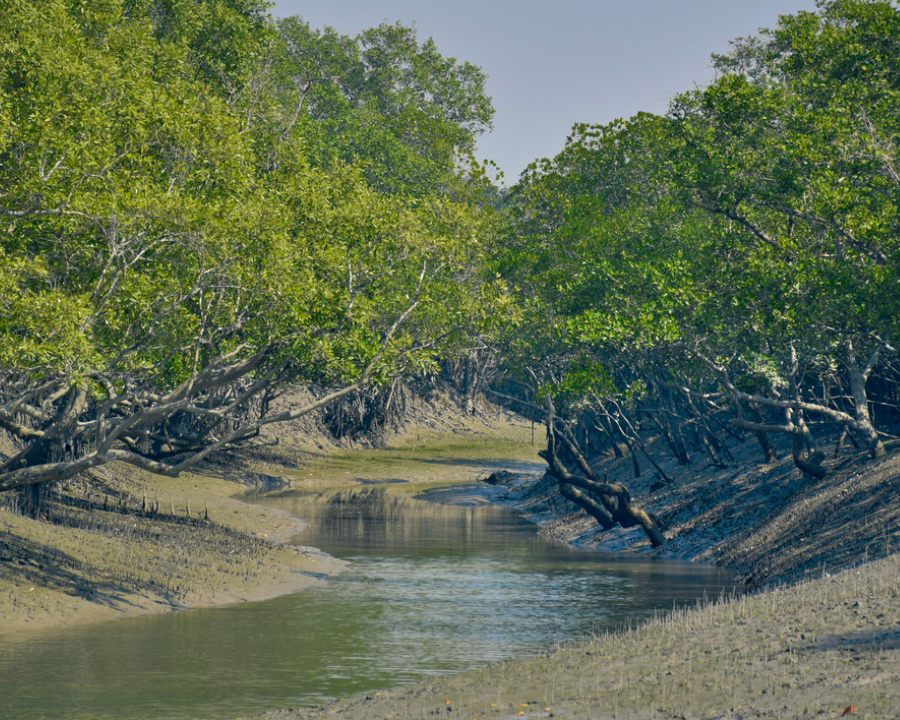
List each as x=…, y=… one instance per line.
x=552, y=64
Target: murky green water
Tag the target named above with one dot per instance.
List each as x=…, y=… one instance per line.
x=430, y=590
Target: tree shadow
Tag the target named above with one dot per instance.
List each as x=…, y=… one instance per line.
x=464, y=495
x=69, y=511
x=868, y=640
x=379, y=481
x=24, y=561
x=237, y=473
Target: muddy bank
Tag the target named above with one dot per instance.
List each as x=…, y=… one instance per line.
x=763, y=521
x=830, y=642
x=129, y=543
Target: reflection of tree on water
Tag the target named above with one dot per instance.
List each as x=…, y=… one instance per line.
x=373, y=520
x=472, y=585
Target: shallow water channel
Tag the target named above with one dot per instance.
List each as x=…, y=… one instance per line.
x=430, y=589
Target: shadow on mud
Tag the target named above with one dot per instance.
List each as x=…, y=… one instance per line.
x=864, y=640
x=25, y=562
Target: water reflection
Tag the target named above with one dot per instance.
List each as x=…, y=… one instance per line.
x=431, y=589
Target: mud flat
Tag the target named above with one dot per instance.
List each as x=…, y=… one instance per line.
x=104, y=551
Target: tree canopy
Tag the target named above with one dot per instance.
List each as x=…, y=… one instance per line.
x=200, y=206
x=732, y=265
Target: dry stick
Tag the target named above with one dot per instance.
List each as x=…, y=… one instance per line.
x=635, y=441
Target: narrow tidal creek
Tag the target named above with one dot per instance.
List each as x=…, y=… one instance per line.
x=430, y=590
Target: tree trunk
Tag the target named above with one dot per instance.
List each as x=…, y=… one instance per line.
x=614, y=503
x=603, y=424
x=61, y=432
x=588, y=504
x=710, y=448
x=671, y=428
x=861, y=405
x=471, y=384
x=803, y=450
x=770, y=454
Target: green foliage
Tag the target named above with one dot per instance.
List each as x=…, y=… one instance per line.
x=165, y=201
x=757, y=223
x=381, y=100
x=186, y=184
